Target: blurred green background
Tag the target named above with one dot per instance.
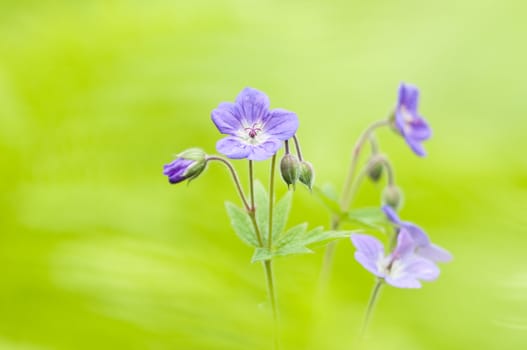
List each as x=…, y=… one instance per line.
x=97, y=251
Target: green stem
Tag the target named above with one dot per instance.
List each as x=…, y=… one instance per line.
x=364, y=172
x=251, y=184
x=365, y=136
x=235, y=178
x=271, y=203
x=286, y=144
x=297, y=146
x=328, y=256
x=371, y=305
x=272, y=297
x=347, y=193
x=267, y=263
x=252, y=208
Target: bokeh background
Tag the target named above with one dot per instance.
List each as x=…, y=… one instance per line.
x=98, y=251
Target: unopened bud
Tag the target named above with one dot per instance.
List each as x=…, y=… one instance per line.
x=392, y=196
x=307, y=174
x=290, y=169
x=189, y=164
x=375, y=171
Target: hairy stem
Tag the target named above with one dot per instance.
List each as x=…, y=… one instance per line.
x=297, y=146
x=235, y=178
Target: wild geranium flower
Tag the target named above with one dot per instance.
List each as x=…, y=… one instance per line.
x=188, y=165
x=255, y=132
x=423, y=246
x=402, y=268
x=408, y=122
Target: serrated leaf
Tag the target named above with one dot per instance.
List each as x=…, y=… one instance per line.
x=242, y=224
x=291, y=235
x=280, y=214
x=261, y=202
x=328, y=196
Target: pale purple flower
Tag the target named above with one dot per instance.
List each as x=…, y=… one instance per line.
x=408, y=122
x=402, y=268
x=423, y=246
x=255, y=132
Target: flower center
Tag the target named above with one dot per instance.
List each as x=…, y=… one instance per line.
x=253, y=130
x=408, y=118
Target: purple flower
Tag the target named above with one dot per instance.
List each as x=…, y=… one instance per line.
x=408, y=122
x=423, y=246
x=255, y=132
x=402, y=268
x=188, y=165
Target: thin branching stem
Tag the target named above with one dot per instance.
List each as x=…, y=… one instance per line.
x=252, y=208
x=286, y=145
x=365, y=136
x=371, y=305
x=235, y=178
x=267, y=264
x=271, y=203
x=347, y=194
x=297, y=146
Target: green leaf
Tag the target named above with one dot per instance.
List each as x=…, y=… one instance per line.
x=291, y=235
x=242, y=224
x=280, y=214
x=328, y=196
x=261, y=254
x=370, y=217
x=318, y=236
x=261, y=202
x=296, y=241
x=289, y=250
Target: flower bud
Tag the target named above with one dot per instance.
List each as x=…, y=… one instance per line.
x=307, y=174
x=375, y=171
x=189, y=164
x=392, y=196
x=290, y=169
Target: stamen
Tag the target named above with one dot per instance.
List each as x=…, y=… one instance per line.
x=253, y=131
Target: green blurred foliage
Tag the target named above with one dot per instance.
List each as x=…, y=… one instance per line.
x=97, y=251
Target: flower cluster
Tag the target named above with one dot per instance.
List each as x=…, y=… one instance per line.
x=256, y=133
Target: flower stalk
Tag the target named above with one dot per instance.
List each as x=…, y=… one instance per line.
x=349, y=191
x=371, y=305
x=235, y=178
x=363, y=138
